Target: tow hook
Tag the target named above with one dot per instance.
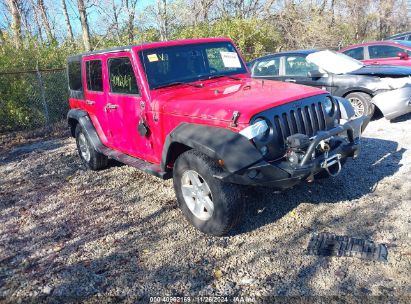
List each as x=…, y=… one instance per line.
x=330, y=161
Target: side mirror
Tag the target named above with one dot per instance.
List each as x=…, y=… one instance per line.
x=316, y=74
x=403, y=55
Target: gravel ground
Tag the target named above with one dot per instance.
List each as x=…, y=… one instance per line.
x=67, y=233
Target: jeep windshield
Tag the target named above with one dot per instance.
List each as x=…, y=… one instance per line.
x=183, y=64
x=334, y=62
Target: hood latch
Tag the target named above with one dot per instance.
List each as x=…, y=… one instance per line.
x=234, y=118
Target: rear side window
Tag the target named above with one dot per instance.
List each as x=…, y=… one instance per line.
x=74, y=74
x=384, y=51
x=267, y=67
x=357, y=53
x=122, y=77
x=94, y=75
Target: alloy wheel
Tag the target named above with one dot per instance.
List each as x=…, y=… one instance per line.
x=197, y=195
x=358, y=106
x=84, y=149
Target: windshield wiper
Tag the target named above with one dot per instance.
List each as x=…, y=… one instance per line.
x=178, y=83
x=221, y=75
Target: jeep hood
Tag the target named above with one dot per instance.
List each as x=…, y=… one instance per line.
x=217, y=100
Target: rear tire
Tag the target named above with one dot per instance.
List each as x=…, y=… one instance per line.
x=210, y=205
x=361, y=103
x=89, y=156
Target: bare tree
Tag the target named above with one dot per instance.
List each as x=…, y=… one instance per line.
x=84, y=24
x=16, y=22
x=116, y=12
x=131, y=11
x=67, y=19
x=162, y=19
x=201, y=10
x=43, y=12
x=37, y=20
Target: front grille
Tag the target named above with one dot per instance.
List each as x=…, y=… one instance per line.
x=306, y=116
x=307, y=120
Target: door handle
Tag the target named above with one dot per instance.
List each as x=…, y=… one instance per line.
x=111, y=106
x=290, y=80
x=90, y=102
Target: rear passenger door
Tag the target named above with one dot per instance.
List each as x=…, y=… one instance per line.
x=125, y=107
x=94, y=94
x=384, y=54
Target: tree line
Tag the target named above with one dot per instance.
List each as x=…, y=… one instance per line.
x=45, y=32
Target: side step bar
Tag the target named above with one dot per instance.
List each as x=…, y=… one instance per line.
x=147, y=167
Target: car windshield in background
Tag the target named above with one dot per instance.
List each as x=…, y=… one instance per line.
x=192, y=62
x=333, y=62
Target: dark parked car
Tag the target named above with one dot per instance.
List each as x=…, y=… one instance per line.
x=400, y=36
x=387, y=88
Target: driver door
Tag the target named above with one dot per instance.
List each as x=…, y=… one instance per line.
x=125, y=107
x=296, y=70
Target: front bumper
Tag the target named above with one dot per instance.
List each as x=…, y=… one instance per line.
x=283, y=174
x=394, y=103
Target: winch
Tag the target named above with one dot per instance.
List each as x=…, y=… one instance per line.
x=297, y=146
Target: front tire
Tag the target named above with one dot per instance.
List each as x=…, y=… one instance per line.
x=361, y=103
x=89, y=156
x=210, y=205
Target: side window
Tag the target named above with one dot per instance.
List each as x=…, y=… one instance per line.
x=267, y=67
x=74, y=75
x=357, y=53
x=94, y=75
x=122, y=77
x=298, y=66
x=383, y=51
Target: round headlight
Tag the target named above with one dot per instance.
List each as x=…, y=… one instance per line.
x=329, y=105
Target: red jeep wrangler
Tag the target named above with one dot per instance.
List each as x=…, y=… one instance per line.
x=188, y=110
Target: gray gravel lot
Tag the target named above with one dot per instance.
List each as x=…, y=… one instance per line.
x=67, y=233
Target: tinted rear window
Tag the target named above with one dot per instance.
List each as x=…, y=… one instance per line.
x=94, y=75
x=74, y=74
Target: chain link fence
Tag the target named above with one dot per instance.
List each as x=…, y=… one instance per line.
x=32, y=99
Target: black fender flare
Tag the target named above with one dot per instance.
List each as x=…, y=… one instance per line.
x=81, y=117
x=235, y=150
